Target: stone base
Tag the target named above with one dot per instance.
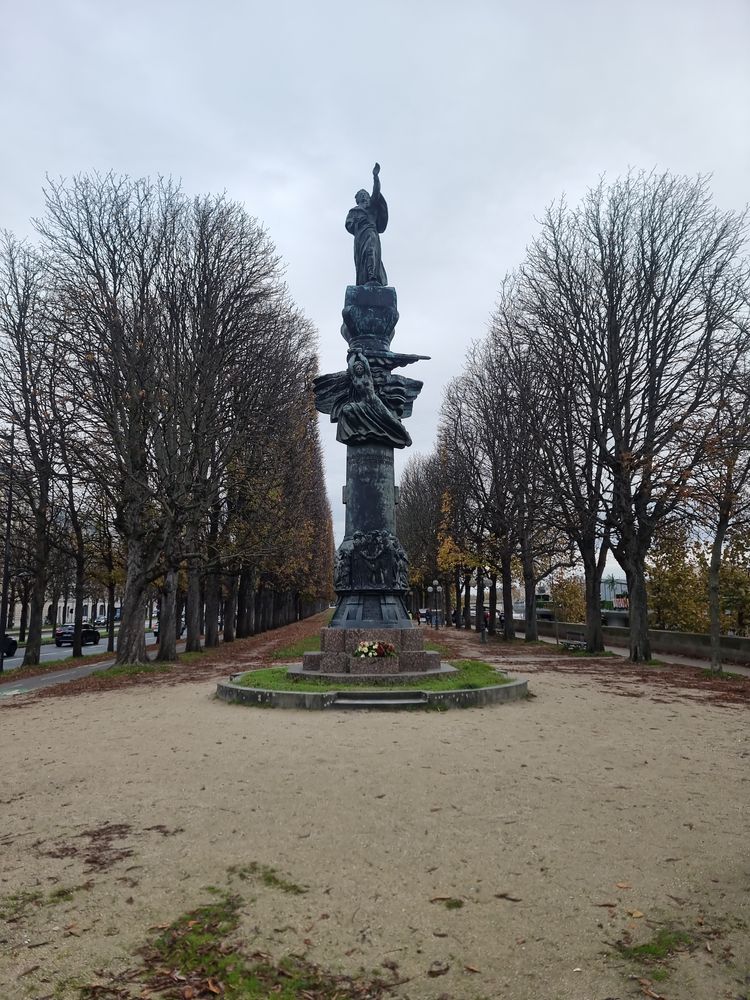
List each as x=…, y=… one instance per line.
x=337, y=653
x=373, y=665
x=375, y=610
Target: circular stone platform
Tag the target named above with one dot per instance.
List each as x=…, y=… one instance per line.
x=298, y=672
x=356, y=696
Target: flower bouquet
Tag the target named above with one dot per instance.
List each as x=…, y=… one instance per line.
x=374, y=649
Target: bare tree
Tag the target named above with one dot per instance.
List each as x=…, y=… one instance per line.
x=30, y=365
x=557, y=307
x=107, y=237
x=647, y=268
x=720, y=491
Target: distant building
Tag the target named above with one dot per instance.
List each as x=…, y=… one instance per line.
x=614, y=593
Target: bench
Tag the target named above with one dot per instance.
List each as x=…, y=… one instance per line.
x=573, y=643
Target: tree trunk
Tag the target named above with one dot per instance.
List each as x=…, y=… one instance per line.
x=54, y=599
x=479, y=609
x=111, y=612
x=244, y=596
x=9, y=622
x=714, y=606
x=38, y=590
x=640, y=645
x=467, y=600
x=193, y=607
x=593, y=570
x=457, y=589
x=506, y=569
x=493, y=603
x=24, y=622
x=168, y=618
x=529, y=592
x=448, y=601
x=212, y=610
x=230, y=608
x=79, y=587
x=631, y=548
x=131, y=638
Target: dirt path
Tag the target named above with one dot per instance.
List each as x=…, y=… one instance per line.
x=496, y=853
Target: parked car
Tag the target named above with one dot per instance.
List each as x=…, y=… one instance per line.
x=9, y=645
x=101, y=622
x=64, y=634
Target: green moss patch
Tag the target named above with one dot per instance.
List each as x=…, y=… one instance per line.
x=665, y=943
x=199, y=956
x=268, y=876
x=469, y=674
x=16, y=906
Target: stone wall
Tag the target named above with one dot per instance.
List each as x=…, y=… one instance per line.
x=734, y=648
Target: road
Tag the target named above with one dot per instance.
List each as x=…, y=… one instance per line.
x=51, y=652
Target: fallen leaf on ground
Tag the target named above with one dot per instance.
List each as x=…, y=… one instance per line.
x=507, y=895
x=635, y=914
x=438, y=969
x=470, y=968
x=623, y=885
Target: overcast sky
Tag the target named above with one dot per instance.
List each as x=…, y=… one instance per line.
x=480, y=114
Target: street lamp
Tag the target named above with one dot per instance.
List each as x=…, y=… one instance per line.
x=438, y=592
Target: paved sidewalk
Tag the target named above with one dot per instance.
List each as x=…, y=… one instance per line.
x=684, y=661
x=9, y=687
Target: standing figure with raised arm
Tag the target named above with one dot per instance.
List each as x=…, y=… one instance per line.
x=365, y=222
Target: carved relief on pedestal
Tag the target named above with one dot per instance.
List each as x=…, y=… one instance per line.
x=373, y=560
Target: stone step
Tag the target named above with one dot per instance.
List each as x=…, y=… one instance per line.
x=383, y=700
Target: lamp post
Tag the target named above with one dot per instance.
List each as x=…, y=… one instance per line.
x=6, y=551
x=437, y=590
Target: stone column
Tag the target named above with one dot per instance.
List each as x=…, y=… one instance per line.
x=370, y=489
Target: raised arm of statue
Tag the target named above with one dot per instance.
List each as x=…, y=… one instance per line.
x=375, y=183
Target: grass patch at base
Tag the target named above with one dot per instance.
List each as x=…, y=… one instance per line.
x=196, y=654
x=469, y=674
x=295, y=651
x=725, y=675
x=131, y=669
x=436, y=647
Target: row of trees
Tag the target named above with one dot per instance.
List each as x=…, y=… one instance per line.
x=609, y=398
x=157, y=379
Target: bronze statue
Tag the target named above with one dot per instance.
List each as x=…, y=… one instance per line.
x=362, y=416
x=365, y=222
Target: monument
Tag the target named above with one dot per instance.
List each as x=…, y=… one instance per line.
x=368, y=403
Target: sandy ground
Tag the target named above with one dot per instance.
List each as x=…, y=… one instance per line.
x=561, y=823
